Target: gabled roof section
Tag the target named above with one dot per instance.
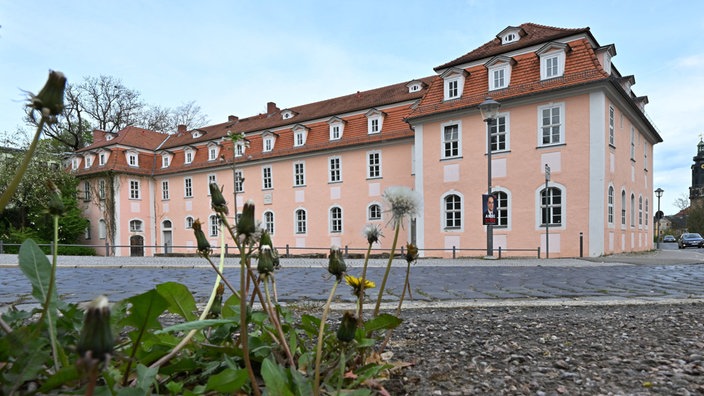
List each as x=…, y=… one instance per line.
x=553, y=46
x=130, y=136
x=534, y=34
x=500, y=59
x=511, y=34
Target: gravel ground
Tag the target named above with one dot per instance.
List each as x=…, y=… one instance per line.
x=646, y=349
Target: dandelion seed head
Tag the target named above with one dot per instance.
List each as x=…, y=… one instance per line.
x=403, y=201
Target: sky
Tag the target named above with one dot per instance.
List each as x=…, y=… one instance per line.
x=232, y=57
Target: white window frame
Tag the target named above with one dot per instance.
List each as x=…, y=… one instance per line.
x=102, y=159
x=336, y=130
x=165, y=190
x=268, y=221
x=188, y=187
x=375, y=121
x=453, y=83
x=612, y=126
x=623, y=209
x=503, y=208
x=552, y=64
x=239, y=149
x=239, y=181
x=188, y=155
x=500, y=127
x=458, y=212
x=560, y=126
x=633, y=143
x=610, y=197
x=86, y=232
x=447, y=145
x=74, y=163
x=300, y=223
x=189, y=222
x=299, y=174
x=267, y=144
x=374, y=169
x=334, y=169
x=102, y=188
x=267, y=178
x=88, y=161
x=374, y=211
x=132, y=159
x=212, y=153
x=633, y=210
x=102, y=229
x=299, y=138
x=335, y=216
x=499, y=82
x=135, y=189
x=86, y=190
x=212, y=178
x=213, y=225
x=165, y=160
x=640, y=211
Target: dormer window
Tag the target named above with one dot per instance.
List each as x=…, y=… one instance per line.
x=132, y=158
x=500, y=72
x=375, y=120
x=74, y=163
x=268, y=141
x=239, y=149
x=165, y=160
x=213, y=150
x=109, y=136
x=300, y=134
x=189, y=153
x=454, y=83
x=102, y=158
x=88, y=161
x=510, y=35
x=337, y=128
x=414, y=86
x=197, y=133
x=552, y=60
x=287, y=114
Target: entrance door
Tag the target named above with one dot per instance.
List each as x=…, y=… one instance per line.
x=167, y=236
x=136, y=245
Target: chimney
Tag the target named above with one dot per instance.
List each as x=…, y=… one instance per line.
x=232, y=118
x=181, y=128
x=271, y=108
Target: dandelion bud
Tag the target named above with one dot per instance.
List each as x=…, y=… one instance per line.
x=265, y=264
x=96, y=340
x=56, y=204
x=217, y=201
x=245, y=224
x=411, y=253
x=265, y=240
x=216, y=308
x=348, y=327
x=202, y=241
x=50, y=100
x=336, y=263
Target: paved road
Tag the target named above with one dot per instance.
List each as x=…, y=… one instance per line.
x=667, y=274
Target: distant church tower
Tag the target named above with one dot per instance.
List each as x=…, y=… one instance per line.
x=696, y=191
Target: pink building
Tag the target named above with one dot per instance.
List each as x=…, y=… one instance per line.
x=317, y=172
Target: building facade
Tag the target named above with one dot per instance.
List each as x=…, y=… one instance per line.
x=317, y=172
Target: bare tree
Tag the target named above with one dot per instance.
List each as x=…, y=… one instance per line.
x=111, y=105
x=190, y=115
x=682, y=202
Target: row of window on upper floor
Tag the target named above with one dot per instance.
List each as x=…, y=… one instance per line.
x=551, y=131
x=552, y=65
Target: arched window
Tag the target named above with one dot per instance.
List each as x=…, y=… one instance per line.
x=633, y=210
x=269, y=222
x=336, y=219
x=640, y=212
x=166, y=224
x=452, y=211
x=102, y=229
x=610, y=206
x=647, y=212
x=135, y=225
x=374, y=212
x=623, y=208
x=301, y=221
x=551, y=206
x=501, y=208
x=86, y=234
x=213, y=225
x=189, y=222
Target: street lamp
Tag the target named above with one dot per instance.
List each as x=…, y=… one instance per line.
x=490, y=110
x=658, y=216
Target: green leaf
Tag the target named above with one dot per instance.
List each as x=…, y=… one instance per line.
x=275, y=379
x=227, y=381
x=383, y=321
x=64, y=376
x=146, y=377
x=195, y=325
x=303, y=385
x=145, y=310
x=231, y=307
x=180, y=299
x=37, y=268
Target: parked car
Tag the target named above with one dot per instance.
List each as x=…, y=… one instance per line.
x=690, y=239
x=669, y=238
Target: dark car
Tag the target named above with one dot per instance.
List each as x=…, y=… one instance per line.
x=690, y=239
x=669, y=238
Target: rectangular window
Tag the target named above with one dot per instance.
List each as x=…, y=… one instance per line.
x=268, y=144
x=633, y=144
x=452, y=89
x=211, y=179
x=551, y=206
x=134, y=189
x=165, y=159
x=551, y=67
x=212, y=153
x=334, y=170
x=266, y=178
x=132, y=159
x=101, y=189
x=239, y=150
x=498, y=78
x=300, y=139
x=301, y=222
x=336, y=220
x=299, y=174
x=239, y=181
x=188, y=187
x=499, y=134
x=451, y=141
x=164, y=189
x=612, y=137
x=189, y=157
x=374, y=164
x=86, y=191
x=335, y=132
x=374, y=125
x=645, y=155
x=551, y=125
x=101, y=159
